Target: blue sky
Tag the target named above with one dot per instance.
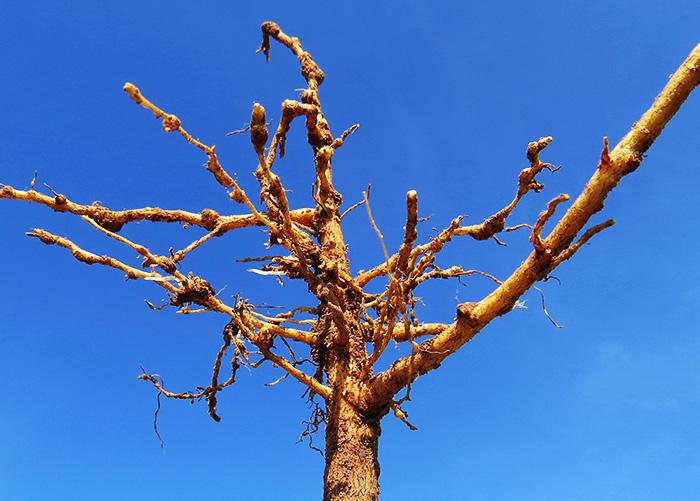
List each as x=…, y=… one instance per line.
x=448, y=95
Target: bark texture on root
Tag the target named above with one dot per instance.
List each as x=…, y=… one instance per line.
x=352, y=463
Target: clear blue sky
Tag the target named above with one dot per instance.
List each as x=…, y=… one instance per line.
x=448, y=95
